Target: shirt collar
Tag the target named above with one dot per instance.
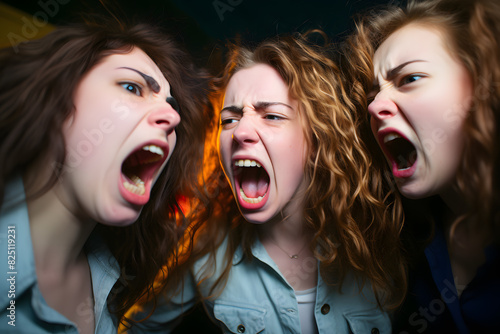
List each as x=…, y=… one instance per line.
x=14, y=212
x=105, y=272
x=258, y=252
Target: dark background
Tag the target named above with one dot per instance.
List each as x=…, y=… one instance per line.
x=204, y=26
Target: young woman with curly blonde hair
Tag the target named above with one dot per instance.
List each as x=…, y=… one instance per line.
x=308, y=243
x=428, y=76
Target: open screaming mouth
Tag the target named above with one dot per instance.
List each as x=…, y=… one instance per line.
x=140, y=166
x=400, y=150
x=253, y=180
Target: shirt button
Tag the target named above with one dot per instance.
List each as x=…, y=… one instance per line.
x=325, y=309
x=375, y=331
x=241, y=329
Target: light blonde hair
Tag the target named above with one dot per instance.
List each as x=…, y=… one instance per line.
x=354, y=229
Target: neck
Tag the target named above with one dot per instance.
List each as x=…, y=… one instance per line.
x=287, y=233
x=454, y=201
x=286, y=241
x=287, y=228
x=467, y=234
x=58, y=235
x=289, y=224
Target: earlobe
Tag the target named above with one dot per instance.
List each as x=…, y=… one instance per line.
x=70, y=119
x=68, y=123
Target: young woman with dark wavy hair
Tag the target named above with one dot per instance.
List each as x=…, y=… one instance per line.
x=101, y=127
x=428, y=75
x=301, y=239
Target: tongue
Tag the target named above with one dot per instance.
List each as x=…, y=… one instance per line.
x=254, y=182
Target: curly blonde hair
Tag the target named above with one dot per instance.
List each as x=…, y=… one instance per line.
x=472, y=32
x=356, y=229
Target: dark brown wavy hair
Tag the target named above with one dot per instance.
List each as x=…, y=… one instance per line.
x=472, y=32
x=354, y=229
x=37, y=83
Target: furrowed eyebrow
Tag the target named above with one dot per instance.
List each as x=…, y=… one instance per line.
x=234, y=109
x=258, y=106
x=264, y=105
x=394, y=72
x=152, y=84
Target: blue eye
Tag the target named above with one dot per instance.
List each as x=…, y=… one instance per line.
x=173, y=103
x=132, y=88
x=227, y=121
x=410, y=78
x=273, y=117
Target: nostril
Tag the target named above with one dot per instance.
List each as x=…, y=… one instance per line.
x=384, y=113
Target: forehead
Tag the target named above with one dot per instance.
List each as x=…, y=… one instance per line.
x=413, y=41
x=257, y=83
x=136, y=59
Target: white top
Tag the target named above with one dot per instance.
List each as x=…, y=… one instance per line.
x=307, y=301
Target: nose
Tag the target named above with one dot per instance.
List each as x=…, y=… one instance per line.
x=382, y=107
x=245, y=131
x=164, y=117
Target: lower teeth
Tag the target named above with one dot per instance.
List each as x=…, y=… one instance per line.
x=137, y=188
x=250, y=200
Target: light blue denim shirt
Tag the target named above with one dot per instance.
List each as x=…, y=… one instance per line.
x=21, y=302
x=258, y=299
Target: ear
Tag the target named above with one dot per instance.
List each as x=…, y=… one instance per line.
x=69, y=121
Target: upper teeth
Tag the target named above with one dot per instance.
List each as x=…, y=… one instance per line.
x=154, y=149
x=246, y=163
x=391, y=136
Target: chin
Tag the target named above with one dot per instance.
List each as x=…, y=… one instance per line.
x=414, y=192
x=263, y=216
x=121, y=217
x=256, y=218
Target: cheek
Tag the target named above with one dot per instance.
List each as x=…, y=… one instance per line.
x=373, y=126
x=289, y=175
x=423, y=114
x=110, y=112
x=455, y=114
x=172, y=143
x=224, y=148
x=291, y=158
x=440, y=123
x=445, y=106
x=92, y=121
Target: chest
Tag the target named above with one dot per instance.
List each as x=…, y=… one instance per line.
x=301, y=273
x=256, y=299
